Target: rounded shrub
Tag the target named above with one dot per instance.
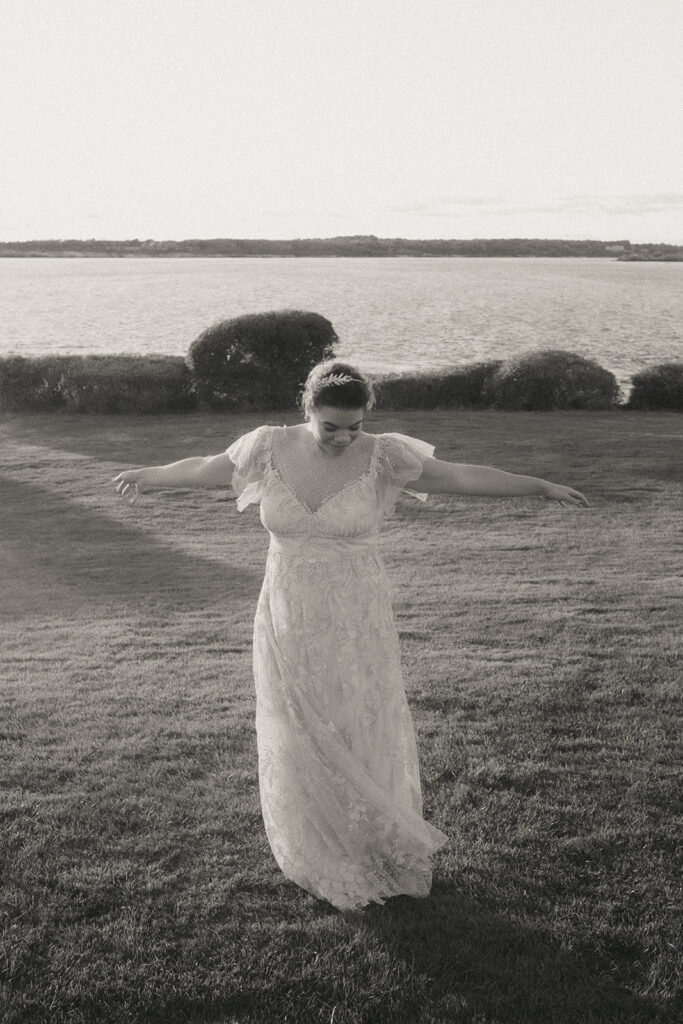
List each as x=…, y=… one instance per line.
x=260, y=360
x=658, y=387
x=552, y=379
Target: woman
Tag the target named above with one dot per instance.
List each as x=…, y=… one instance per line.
x=338, y=765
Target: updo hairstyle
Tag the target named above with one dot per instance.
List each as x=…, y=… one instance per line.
x=337, y=385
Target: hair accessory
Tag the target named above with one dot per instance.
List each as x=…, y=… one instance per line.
x=333, y=379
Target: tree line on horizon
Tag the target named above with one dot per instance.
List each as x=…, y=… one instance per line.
x=350, y=245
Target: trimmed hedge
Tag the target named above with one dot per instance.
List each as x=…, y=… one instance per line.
x=550, y=379
x=458, y=388
x=30, y=384
x=151, y=384
x=658, y=387
x=259, y=361
x=96, y=384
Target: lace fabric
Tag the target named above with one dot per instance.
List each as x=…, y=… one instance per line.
x=314, y=480
x=250, y=455
x=338, y=764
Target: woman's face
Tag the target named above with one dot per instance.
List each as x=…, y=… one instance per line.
x=335, y=429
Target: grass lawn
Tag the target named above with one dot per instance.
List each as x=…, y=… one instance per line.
x=544, y=677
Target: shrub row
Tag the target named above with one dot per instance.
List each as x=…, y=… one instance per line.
x=457, y=388
x=96, y=384
x=259, y=361
x=537, y=381
x=153, y=384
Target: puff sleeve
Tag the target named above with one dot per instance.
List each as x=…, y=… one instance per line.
x=401, y=459
x=250, y=455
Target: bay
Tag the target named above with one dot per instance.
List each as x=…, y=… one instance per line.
x=390, y=314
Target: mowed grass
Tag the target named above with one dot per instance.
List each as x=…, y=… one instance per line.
x=542, y=668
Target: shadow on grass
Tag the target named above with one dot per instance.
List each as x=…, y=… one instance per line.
x=456, y=963
x=59, y=557
x=442, y=960
x=498, y=969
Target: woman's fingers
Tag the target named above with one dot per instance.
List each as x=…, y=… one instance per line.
x=568, y=496
x=573, y=497
x=126, y=487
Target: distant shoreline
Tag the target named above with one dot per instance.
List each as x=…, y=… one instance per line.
x=366, y=246
x=320, y=256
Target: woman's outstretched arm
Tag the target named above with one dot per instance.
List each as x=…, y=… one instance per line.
x=209, y=471
x=440, y=477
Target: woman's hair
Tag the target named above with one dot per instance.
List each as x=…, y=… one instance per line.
x=338, y=385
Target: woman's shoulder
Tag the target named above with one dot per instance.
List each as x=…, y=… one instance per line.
x=297, y=437
x=395, y=445
x=263, y=432
x=253, y=444
x=295, y=432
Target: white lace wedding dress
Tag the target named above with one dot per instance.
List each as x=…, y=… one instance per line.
x=338, y=766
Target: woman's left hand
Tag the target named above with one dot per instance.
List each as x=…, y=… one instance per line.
x=128, y=484
x=564, y=495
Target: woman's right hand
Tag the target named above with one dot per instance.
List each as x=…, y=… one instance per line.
x=129, y=484
x=563, y=495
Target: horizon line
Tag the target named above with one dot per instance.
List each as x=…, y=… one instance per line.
x=333, y=238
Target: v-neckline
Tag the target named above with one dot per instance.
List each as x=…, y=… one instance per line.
x=330, y=497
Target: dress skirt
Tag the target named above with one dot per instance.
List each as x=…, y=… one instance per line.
x=338, y=765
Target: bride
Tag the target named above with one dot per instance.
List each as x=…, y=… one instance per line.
x=338, y=764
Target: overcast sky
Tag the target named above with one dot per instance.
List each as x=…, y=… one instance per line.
x=311, y=118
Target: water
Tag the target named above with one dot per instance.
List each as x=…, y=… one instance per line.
x=388, y=313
